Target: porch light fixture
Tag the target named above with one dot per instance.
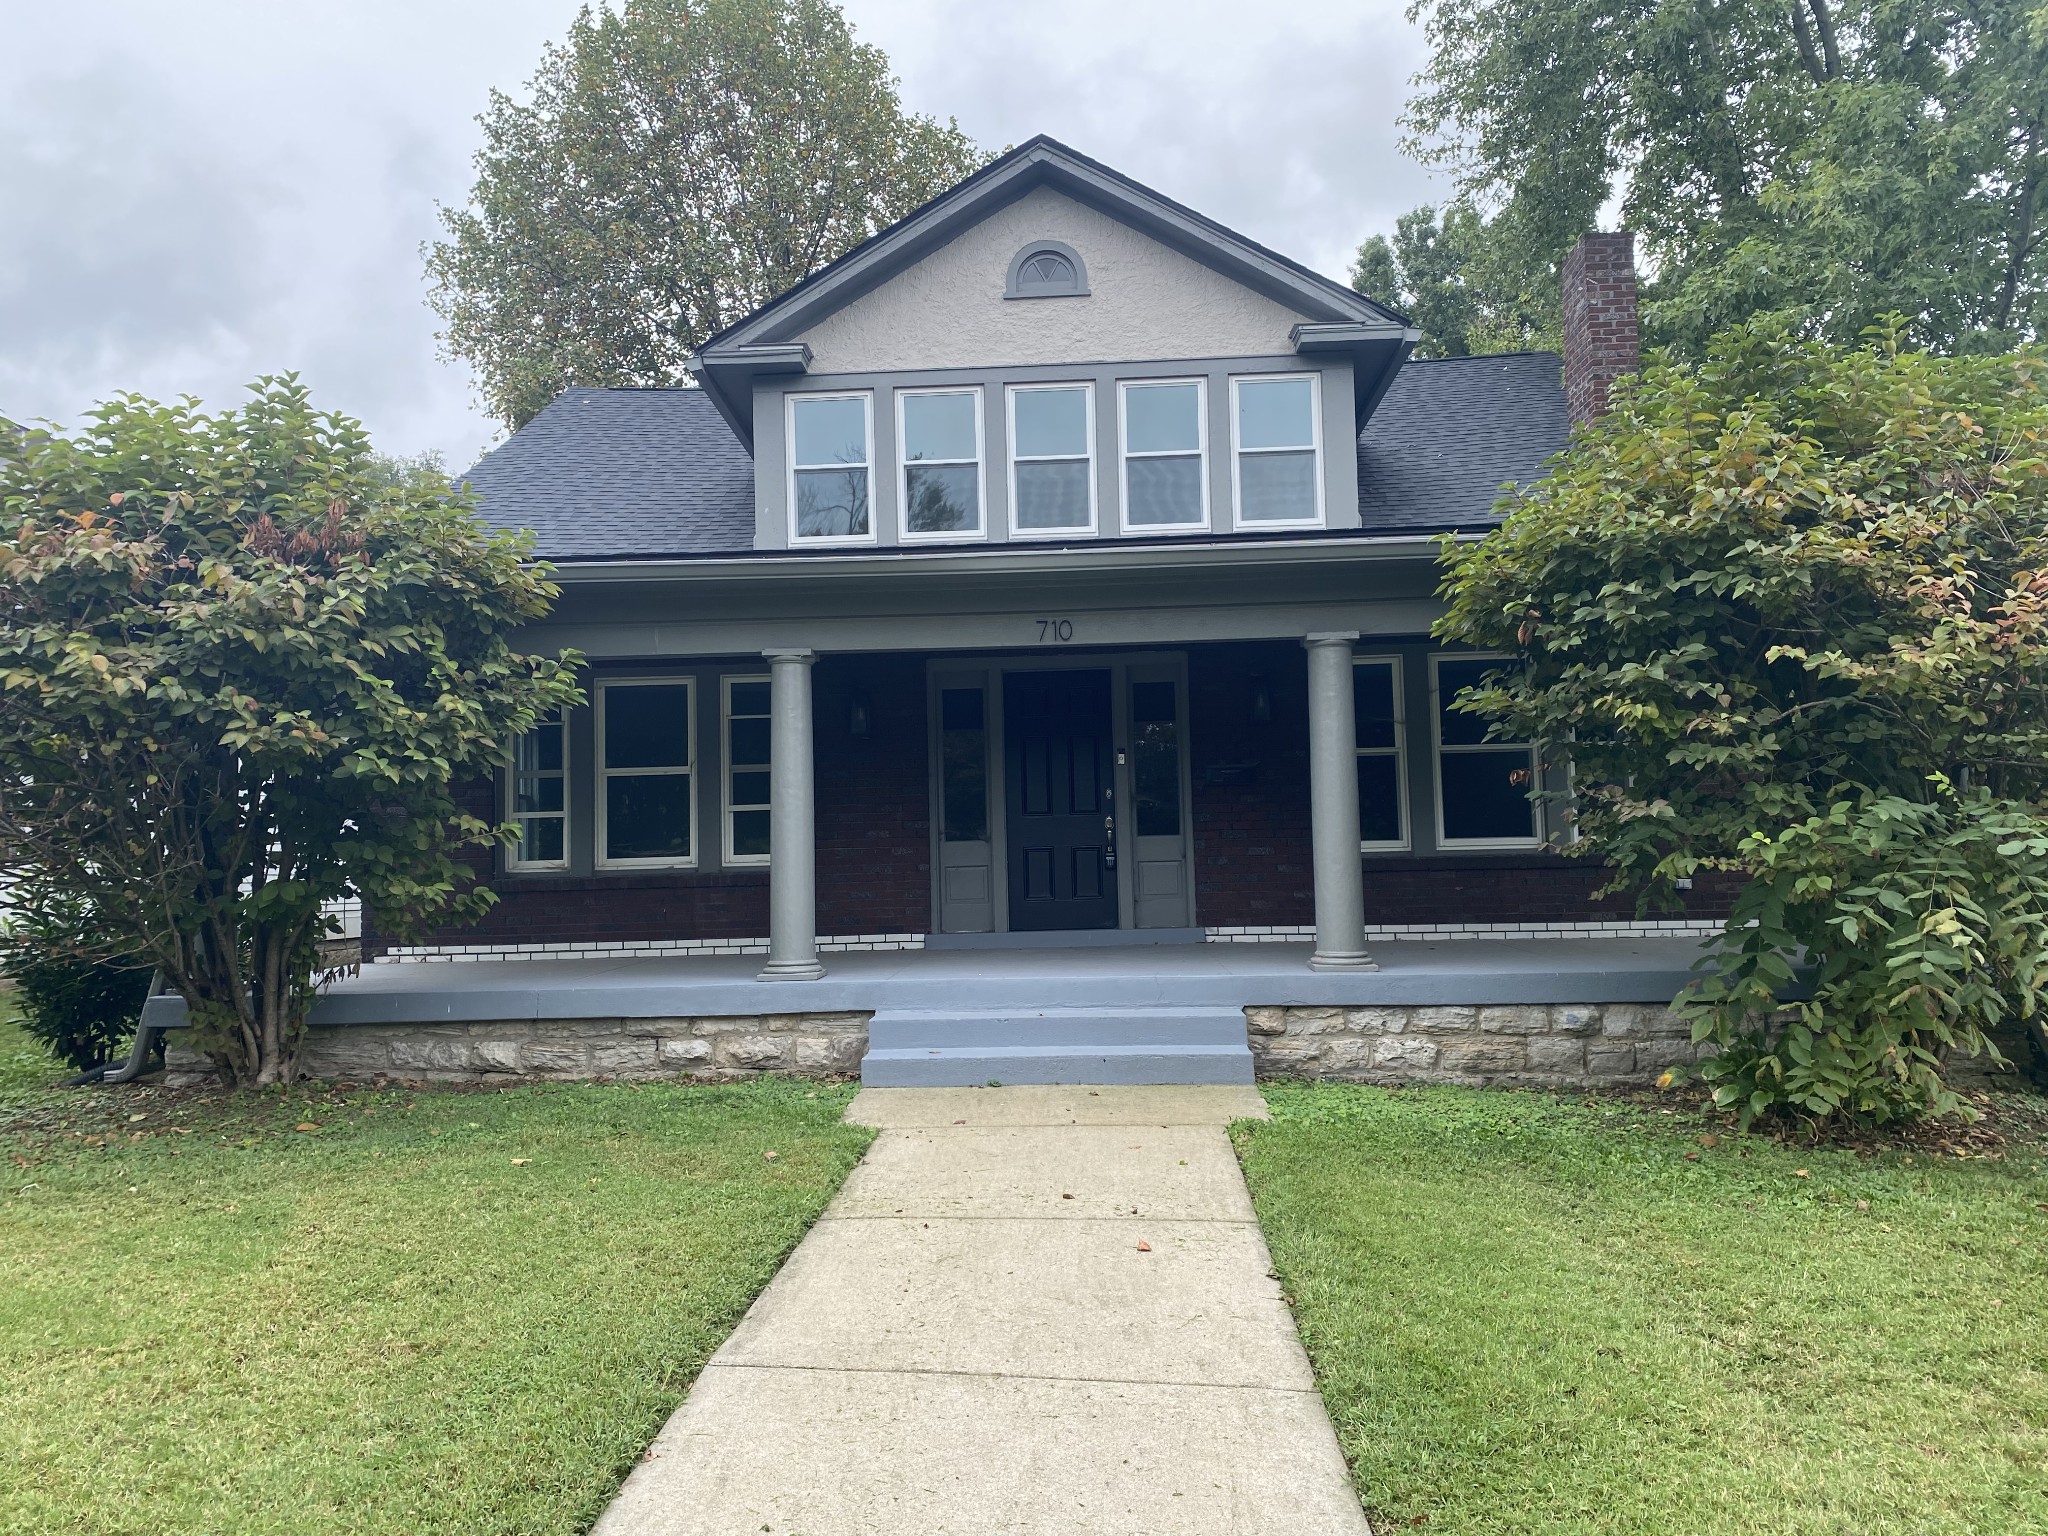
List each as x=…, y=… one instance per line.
x=1262, y=697
x=857, y=715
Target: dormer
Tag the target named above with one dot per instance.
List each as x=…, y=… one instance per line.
x=1050, y=351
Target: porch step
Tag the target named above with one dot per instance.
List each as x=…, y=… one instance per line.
x=953, y=1048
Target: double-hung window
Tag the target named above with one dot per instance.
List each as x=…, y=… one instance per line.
x=747, y=736
x=831, y=459
x=1165, y=443
x=1382, y=780
x=1276, y=432
x=538, y=795
x=1052, y=459
x=1482, y=786
x=939, y=447
x=646, y=773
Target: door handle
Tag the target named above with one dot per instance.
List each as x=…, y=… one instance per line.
x=1109, y=842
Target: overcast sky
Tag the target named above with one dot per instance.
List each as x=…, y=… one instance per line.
x=195, y=194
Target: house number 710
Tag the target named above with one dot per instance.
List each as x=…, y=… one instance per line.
x=1050, y=630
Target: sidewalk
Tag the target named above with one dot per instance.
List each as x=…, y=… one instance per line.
x=1030, y=1310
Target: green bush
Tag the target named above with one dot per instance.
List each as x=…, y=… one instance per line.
x=80, y=1004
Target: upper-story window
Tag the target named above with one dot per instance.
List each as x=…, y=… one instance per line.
x=1165, y=443
x=1275, y=425
x=831, y=458
x=1046, y=269
x=1052, y=458
x=939, y=447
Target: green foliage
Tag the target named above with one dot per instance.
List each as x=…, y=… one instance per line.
x=1826, y=162
x=1778, y=604
x=73, y=997
x=241, y=668
x=1461, y=284
x=680, y=162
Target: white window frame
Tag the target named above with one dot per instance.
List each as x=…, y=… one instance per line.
x=789, y=405
x=1010, y=394
x=1399, y=752
x=1124, y=454
x=603, y=774
x=903, y=463
x=1238, y=450
x=1436, y=758
x=725, y=768
x=560, y=723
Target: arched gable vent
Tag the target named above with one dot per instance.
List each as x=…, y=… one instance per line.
x=1046, y=269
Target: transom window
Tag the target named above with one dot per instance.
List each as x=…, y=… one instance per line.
x=646, y=778
x=1052, y=458
x=831, y=455
x=1275, y=424
x=939, y=445
x=538, y=794
x=1482, y=786
x=1382, y=779
x=1165, y=441
x=747, y=758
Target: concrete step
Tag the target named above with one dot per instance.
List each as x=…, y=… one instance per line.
x=943, y=1067
x=962, y=1047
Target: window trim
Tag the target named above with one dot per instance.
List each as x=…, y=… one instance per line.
x=1124, y=454
x=725, y=770
x=790, y=466
x=513, y=863
x=601, y=774
x=903, y=463
x=1399, y=752
x=1438, y=749
x=1010, y=394
x=1315, y=448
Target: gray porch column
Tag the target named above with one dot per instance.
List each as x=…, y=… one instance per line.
x=1333, y=807
x=792, y=826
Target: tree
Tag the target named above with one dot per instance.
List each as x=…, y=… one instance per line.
x=241, y=668
x=1457, y=280
x=1787, y=611
x=1822, y=162
x=680, y=163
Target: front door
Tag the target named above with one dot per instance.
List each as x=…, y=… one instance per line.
x=1057, y=788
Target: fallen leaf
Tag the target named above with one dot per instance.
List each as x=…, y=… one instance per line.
x=1862, y=1205
x=521, y=1162
x=768, y=1157
x=1799, y=1173
x=1710, y=1140
x=1666, y=1078
x=1143, y=1246
x=1692, y=1157
x=305, y=1125
x=1063, y=1194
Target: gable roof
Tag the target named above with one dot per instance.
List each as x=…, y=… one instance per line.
x=657, y=474
x=766, y=341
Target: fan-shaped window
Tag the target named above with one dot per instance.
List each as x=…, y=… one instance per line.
x=1047, y=269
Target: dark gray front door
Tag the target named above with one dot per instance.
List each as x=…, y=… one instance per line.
x=1056, y=739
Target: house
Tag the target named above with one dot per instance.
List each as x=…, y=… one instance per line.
x=1053, y=571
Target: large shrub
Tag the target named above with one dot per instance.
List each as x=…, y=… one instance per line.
x=79, y=1001
x=1786, y=612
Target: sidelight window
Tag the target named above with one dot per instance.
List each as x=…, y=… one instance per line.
x=1482, y=786
x=1380, y=726
x=1052, y=458
x=538, y=792
x=1275, y=430
x=831, y=455
x=939, y=447
x=963, y=765
x=1155, y=759
x=748, y=732
x=1165, y=449
x=646, y=778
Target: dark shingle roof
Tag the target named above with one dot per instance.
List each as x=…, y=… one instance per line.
x=657, y=472
x=1451, y=431
x=622, y=472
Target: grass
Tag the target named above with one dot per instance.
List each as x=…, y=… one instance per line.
x=375, y=1311
x=1529, y=1315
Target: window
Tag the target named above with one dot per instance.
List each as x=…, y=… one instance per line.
x=1382, y=781
x=1275, y=429
x=1052, y=458
x=1482, y=786
x=747, y=737
x=1155, y=759
x=830, y=455
x=1166, y=473
x=939, y=446
x=963, y=765
x=1046, y=269
x=646, y=784
x=538, y=790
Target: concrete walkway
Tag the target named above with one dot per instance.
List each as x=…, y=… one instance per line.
x=1030, y=1310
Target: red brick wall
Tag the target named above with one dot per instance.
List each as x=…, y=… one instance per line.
x=1601, y=337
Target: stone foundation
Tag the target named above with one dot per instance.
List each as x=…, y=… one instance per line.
x=1523, y=1045
x=707, y=1050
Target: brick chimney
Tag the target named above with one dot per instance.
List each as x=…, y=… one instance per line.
x=1601, y=340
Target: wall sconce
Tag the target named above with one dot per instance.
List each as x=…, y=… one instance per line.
x=1262, y=697
x=857, y=715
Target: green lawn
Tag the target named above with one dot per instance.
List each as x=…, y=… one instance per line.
x=1532, y=1316
x=429, y=1312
